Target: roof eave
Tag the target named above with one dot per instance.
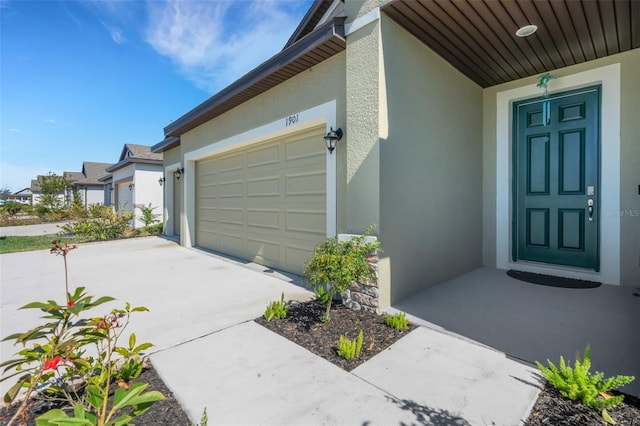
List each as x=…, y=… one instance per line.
x=332, y=30
x=132, y=160
x=166, y=144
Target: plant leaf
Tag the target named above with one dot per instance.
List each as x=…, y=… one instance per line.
x=134, y=396
x=607, y=417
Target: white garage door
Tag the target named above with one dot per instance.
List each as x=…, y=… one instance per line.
x=265, y=203
x=124, y=197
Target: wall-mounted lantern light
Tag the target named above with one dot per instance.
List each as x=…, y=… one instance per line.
x=178, y=173
x=161, y=180
x=131, y=187
x=332, y=137
x=111, y=188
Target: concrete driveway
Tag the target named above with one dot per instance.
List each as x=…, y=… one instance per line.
x=211, y=354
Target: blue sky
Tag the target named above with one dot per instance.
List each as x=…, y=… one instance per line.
x=78, y=79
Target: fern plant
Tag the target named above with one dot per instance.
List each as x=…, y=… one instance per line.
x=350, y=349
x=397, y=321
x=578, y=384
x=277, y=309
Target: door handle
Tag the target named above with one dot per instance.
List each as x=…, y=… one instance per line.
x=590, y=209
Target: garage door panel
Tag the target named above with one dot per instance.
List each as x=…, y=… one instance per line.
x=312, y=222
x=264, y=250
x=262, y=218
x=298, y=255
x=304, y=149
x=306, y=184
x=268, y=186
x=231, y=189
x=229, y=163
x=263, y=157
x=231, y=243
x=231, y=216
x=265, y=203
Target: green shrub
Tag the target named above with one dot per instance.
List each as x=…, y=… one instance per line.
x=100, y=211
x=578, y=384
x=350, y=349
x=335, y=265
x=397, y=321
x=99, y=229
x=148, y=217
x=277, y=309
x=13, y=207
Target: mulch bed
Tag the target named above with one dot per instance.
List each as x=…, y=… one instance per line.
x=551, y=408
x=303, y=326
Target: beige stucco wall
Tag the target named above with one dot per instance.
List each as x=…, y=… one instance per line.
x=629, y=154
x=430, y=168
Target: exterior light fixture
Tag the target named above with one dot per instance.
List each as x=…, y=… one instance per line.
x=332, y=137
x=526, y=31
x=131, y=187
x=178, y=173
x=161, y=180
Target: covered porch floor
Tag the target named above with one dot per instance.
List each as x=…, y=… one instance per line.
x=534, y=322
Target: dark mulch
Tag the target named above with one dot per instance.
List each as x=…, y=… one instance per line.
x=551, y=408
x=167, y=412
x=303, y=326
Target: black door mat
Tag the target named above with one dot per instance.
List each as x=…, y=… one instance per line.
x=552, y=281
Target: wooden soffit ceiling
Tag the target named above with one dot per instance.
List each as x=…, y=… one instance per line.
x=478, y=36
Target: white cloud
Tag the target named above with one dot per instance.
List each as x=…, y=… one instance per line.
x=14, y=130
x=116, y=33
x=50, y=121
x=215, y=43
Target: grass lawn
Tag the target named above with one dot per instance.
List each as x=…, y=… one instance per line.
x=11, y=244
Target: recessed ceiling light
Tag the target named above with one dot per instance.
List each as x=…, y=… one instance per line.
x=527, y=30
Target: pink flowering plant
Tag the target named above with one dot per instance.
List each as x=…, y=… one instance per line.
x=75, y=360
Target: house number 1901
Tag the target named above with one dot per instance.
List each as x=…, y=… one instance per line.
x=291, y=120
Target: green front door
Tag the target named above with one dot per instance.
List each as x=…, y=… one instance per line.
x=556, y=179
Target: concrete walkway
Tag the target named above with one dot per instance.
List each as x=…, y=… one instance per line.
x=211, y=354
x=535, y=322
x=32, y=230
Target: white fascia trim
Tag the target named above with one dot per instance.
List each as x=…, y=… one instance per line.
x=609, y=77
x=361, y=22
x=168, y=189
x=312, y=117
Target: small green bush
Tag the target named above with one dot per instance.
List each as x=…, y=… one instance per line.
x=148, y=217
x=277, y=309
x=578, y=384
x=335, y=265
x=397, y=321
x=350, y=349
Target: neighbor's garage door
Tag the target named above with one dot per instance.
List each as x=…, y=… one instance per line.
x=125, y=197
x=265, y=203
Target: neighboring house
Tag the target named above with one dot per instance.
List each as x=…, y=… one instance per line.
x=37, y=193
x=89, y=186
x=135, y=180
x=24, y=196
x=448, y=147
